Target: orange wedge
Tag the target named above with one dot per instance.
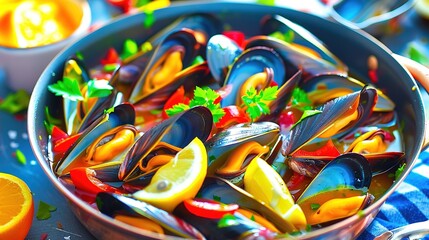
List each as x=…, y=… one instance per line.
x=16, y=207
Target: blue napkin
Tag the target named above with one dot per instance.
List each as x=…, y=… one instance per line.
x=408, y=204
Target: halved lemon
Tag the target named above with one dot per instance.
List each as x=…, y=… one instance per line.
x=266, y=185
x=16, y=207
x=179, y=179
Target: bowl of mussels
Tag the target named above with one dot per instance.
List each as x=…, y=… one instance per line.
x=226, y=121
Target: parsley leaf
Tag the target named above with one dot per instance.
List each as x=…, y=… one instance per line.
x=300, y=99
x=399, y=171
x=44, y=210
x=202, y=97
x=415, y=54
x=99, y=88
x=178, y=108
x=67, y=88
x=257, y=103
x=306, y=114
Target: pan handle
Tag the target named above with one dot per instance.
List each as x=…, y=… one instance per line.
x=421, y=74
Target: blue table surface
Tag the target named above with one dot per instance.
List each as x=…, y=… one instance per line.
x=63, y=225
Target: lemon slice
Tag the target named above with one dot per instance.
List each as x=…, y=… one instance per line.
x=266, y=185
x=179, y=179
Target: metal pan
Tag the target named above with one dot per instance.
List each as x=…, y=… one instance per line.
x=353, y=47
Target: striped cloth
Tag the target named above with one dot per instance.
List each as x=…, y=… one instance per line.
x=408, y=204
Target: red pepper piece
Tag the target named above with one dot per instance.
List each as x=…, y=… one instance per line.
x=295, y=181
x=233, y=114
x=124, y=5
x=62, y=145
x=208, y=208
x=177, y=97
x=84, y=179
x=57, y=134
x=373, y=76
x=237, y=36
x=328, y=150
x=111, y=57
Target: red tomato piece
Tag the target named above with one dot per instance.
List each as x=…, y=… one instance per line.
x=62, y=145
x=237, y=36
x=177, y=97
x=233, y=114
x=328, y=150
x=84, y=179
x=58, y=134
x=208, y=208
x=111, y=57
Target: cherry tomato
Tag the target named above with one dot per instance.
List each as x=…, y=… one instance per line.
x=84, y=179
x=63, y=144
x=208, y=208
x=233, y=114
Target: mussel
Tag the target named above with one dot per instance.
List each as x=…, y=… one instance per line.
x=162, y=142
x=339, y=190
x=105, y=140
x=115, y=206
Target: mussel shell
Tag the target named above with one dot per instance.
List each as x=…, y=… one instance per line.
x=252, y=61
x=241, y=228
x=221, y=53
x=273, y=23
x=183, y=39
x=123, y=114
x=312, y=127
x=332, y=81
x=350, y=170
x=265, y=133
x=75, y=69
x=97, y=110
x=205, y=25
x=112, y=204
x=308, y=166
x=221, y=190
x=178, y=130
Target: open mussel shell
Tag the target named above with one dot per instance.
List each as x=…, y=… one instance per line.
x=73, y=69
x=218, y=189
x=336, y=83
x=265, y=133
x=350, y=171
x=314, y=126
x=122, y=115
x=205, y=25
x=189, y=78
x=178, y=130
x=113, y=204
x=274, y=23
x=253, y=61
x=183, y=41
x=221, y=53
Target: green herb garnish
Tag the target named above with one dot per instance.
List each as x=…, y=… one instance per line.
x=20, y=157
x=257, y=102
x=44, y=210
x=300, y=99
x=306, y=114
x=202, y=97
x=227, y=220
x=149, y=19
x=314, y=206
x=129, y=49
x=69, y=88
x=399, y=171
x=288, y=36
x=216, y=198
x=415, y=54
x=15, y=102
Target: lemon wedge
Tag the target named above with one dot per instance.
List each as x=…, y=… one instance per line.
x=179, y=179
x=422, y=7
x=266, y=185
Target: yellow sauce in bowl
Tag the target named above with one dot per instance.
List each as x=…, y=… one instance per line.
x=32, y=23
